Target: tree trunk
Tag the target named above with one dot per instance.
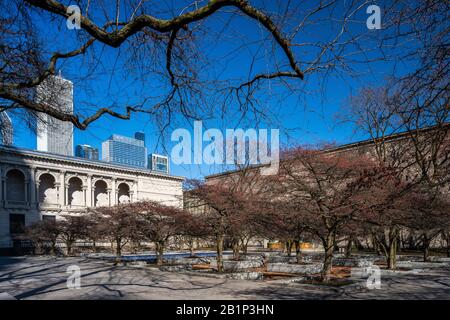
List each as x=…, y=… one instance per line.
x=448, y=245
x=236, y=253
x=392, y=250
x=159, y=252
x=191, y=247
x=118, y=250
x=69, y=247
x=219, y=246
x=426, y=248
x=289, y=248
x=298, y=252
x=348, y=248
x=244, y=247
x=328, y=244
x=376, y=245
x=54, y=248
x=94, y=246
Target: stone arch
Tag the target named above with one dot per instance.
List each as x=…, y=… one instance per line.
x=47, y=189
x=101, y=197
x=16, y=185
x=123, y=190
x=75, y=192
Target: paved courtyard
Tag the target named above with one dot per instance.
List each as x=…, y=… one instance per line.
x=46, y=278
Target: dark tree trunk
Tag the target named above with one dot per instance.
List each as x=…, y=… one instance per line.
x=54, y=248
x=328, y=244
x=236, y=253
x=219, y=247
x=191, y=247
x=348, y=248
x=289, y=248
x=448, y=245
x=69, y=247
x=244, y=246
x=159, y=252
x=376, y=245
x=298, y=252
x=392, y=248
x=118, y=250
x=426, y=247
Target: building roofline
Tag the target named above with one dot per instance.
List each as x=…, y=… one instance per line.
x=94, y=163
x=351, y=145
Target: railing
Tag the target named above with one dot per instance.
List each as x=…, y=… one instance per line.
x=47, y=205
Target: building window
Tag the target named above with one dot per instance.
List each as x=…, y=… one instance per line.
x=16, y=223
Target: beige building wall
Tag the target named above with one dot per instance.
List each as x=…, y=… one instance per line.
x=37, y=184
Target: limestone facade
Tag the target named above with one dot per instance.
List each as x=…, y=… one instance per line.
x=36, y=185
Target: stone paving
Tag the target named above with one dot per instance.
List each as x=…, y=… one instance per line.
x=46, y=278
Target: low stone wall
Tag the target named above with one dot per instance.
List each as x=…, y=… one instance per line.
x=245, y=276
x=295, y=268
x=357, y=261
x=181, y=267
x=239, y=265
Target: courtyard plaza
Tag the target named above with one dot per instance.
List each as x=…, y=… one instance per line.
x=46, y=277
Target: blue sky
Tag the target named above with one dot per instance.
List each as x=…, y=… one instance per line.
x=306, y=116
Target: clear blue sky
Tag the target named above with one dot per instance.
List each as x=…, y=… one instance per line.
x=305, y=116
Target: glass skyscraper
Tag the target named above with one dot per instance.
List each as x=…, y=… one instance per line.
x=86, y=151
x=158, y=163
x=6, y=129
x=124, y=150
x=54, y=135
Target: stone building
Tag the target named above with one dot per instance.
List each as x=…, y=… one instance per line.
x=37, y=185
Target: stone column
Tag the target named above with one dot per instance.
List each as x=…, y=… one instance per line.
x=27, y=199
x=4, y=189
x=108, y=190
x=62, y=188
x=93, y=196
x=84, y=188
x=115, y=192
x=66, y=195
x=58, y=193
x=135, y=190
x=33, y=189
x=131, y=195
x=1, y=187
x=89, y=191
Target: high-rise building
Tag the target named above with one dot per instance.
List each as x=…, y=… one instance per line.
x=140, y=136
x=6, y=129
x=125, y=150
x=86, y=151
x=158, y=163
x=54, y=135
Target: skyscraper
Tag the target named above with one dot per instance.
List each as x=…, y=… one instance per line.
x=158, y=163
x=140, y=136
x=124, y=150
x=6, y=129
x=54, y=135
x=86, y=151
